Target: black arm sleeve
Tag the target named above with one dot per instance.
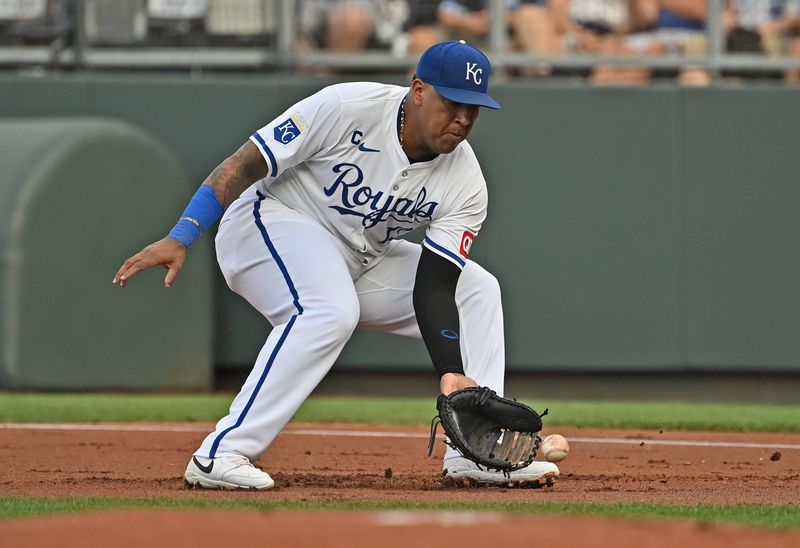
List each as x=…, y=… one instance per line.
x=437, y=315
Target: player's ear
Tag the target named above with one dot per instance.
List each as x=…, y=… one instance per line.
x=417, y=90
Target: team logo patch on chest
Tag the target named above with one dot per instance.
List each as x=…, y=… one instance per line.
x=291, y=128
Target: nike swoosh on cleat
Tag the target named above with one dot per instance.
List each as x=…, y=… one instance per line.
x=363, y=148
x=205, y=469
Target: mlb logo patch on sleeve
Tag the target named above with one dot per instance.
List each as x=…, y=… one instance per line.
x=466, y=243
x=288, y=130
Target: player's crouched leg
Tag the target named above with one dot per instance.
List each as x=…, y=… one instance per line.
x=480, y=308
x=334, y=321
x=478, y=297
x=479, y=285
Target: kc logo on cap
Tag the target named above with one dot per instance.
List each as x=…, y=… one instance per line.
x=474, y=73
x=458, y=72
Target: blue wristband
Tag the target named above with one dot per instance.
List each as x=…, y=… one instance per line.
x=202, y=212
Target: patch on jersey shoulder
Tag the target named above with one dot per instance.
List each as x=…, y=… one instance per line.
x=466, y=243
x=291, y=128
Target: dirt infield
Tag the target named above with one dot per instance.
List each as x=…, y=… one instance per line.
x=605, y=467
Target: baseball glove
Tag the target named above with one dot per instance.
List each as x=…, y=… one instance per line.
x=494, y=432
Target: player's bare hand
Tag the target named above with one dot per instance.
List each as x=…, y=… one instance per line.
x=166, y=252
x=452, y=382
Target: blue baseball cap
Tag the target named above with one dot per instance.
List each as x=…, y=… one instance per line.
x=457, y=71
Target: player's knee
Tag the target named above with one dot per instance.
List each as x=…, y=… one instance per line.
x=339, y=322
x=490, y=287
x=482, y=283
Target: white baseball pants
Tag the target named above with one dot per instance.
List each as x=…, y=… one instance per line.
x=315, y=292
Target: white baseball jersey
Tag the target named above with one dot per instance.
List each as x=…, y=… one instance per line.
x=336, y=157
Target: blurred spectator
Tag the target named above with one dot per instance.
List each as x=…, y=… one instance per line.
x=35, y=22
x=604, y=27
x=176, y=22
x=792, y=76
x=465, y=20
x=558, y=26
x=432, y=21
x=421, y=26
x=336, y=25
x=350, y=23
x=761, y=27
x=533, y=28
x=528, y=23
x=680, y=28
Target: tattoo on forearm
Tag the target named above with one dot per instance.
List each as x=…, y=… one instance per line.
x=236, y=173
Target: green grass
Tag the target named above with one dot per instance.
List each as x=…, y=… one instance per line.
x=670, y=415
x=782, y=517
x=15, y=407
x=30, y=407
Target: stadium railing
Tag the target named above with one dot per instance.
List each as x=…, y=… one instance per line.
x=262, y=35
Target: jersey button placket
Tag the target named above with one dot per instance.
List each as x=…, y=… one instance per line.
x=396, y=186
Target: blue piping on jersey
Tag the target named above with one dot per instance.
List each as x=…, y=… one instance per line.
x=274, y=253
x=271, y=360
x=434, y=246
x=266, y=149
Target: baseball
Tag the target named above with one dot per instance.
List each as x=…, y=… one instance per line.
x=554, y=448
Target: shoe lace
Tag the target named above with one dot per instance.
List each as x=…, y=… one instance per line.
x=240, y=460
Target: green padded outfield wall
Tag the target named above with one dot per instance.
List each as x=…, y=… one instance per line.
x=631, y=229
x=78, y=196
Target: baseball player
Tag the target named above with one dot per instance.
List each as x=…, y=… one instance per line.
x=312, y=206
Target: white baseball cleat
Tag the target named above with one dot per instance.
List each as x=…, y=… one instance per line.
x=235, y=472
x=538, y=473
